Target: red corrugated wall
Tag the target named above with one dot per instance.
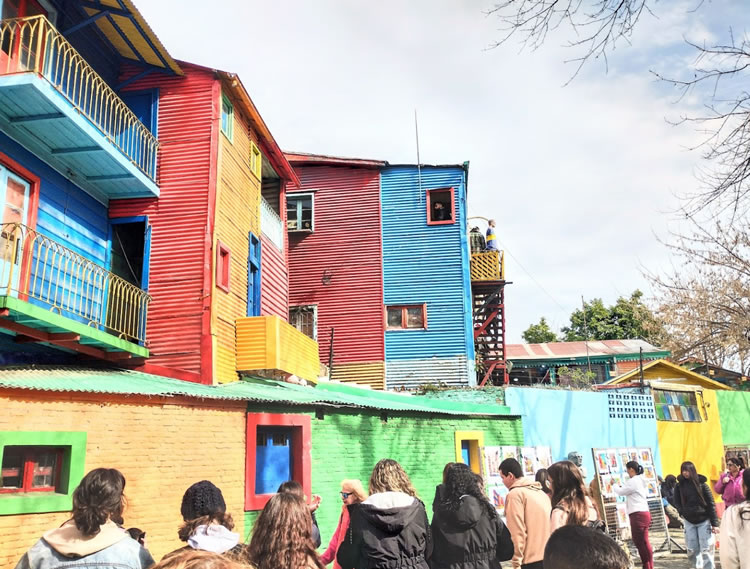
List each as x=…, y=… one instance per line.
x=274, y=297
x=346, y=243
x=181, y=219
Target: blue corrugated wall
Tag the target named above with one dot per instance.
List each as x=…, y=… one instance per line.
x=426, y=264
x=66, y=213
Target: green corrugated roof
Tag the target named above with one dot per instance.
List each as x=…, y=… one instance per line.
x=128, y=382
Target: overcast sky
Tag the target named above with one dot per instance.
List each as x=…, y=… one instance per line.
x=579, y=177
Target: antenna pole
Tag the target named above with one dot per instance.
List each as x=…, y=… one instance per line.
x=586, y=331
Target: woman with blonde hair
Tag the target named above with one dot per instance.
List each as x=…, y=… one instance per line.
x=571, y=505
x=390, y=528
x=352, y=492
x=188, y=558
x=282, y=536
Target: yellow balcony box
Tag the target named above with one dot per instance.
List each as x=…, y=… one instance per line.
x=268, y=343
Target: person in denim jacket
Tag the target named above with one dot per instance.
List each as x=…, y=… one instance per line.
x=91, y=539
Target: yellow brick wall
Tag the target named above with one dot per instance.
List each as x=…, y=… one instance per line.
x=237, y=213
x=161, y=447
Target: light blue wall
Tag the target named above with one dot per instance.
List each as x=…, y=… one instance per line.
x=426, y=264
x=578, y=420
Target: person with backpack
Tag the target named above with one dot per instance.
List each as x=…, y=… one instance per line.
x=390, y=529
x=92, y=537
x=636, y=503
x=467, y=532
x=695, y=503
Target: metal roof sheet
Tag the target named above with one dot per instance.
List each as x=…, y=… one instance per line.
x=553, y=350
x=129, y=382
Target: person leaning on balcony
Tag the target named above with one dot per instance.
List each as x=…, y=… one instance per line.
x=476, y=240
x=92, y=537
x=491, y=237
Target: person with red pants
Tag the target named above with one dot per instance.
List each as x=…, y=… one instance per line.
x=635, y=493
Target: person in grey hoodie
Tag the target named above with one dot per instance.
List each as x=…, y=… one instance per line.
x=390, y=529
x=91, y=539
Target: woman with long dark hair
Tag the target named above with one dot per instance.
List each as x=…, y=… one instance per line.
x=466, y=530
x=571, y=504
x=695, y=503
x=92, y=536
x=282, y=536
x=636, y=503
x=390, y=528
x=729, y=484
x=735, y=531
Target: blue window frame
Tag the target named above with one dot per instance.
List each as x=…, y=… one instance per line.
x=227, y=117
x=118, y=231
x=253, y=276
x=273, y=458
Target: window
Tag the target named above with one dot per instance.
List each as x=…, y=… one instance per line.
x=227, y=117
x=305, y=319
x=299, y=212
x=406, y=317
x=254, y=276
x=468, y=444
x=256, y=160
x=31, y=469
x=39, y=470
x=278, y=449
x=441, y=208
x=223, y=262
x=677, y=406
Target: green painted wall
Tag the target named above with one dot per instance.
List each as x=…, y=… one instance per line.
x=348, y=444
x=734, y=411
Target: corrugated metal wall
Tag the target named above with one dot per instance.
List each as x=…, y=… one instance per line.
x=345, y=247
x=180, y=219
x=426, y=264
x=274, y=296
x=237, y=214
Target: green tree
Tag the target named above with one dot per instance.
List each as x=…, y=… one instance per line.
x=539, y=333
x=627, y=319
x=575, y=377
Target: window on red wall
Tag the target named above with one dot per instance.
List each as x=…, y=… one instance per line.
x=223, y=263
x=31, y=469
x=441, y=208
x=278, y=449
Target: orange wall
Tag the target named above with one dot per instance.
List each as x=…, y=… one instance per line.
x=160, y=446
x=237, y=213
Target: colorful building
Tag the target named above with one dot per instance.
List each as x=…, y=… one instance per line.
x=538, y=363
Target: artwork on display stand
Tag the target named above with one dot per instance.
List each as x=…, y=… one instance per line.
x=492, y=457
x=602, y=462
x=497, y=494
x=528, y=461
x=623, y=520
x=530, y=458
x=543, y=457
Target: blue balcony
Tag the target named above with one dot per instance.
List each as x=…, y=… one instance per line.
x=53, y=103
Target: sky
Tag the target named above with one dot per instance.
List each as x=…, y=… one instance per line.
x=582, y=178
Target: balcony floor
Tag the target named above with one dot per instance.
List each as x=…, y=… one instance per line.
x=40, y=118
x=43, y=326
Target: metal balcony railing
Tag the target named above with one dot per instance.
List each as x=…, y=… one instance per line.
x=33, y=45
x=37, y=269
x=487, y=266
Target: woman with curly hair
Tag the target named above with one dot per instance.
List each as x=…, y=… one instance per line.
x=571, y=505
x=282, y=536
x=92, y=537
x=466, y=530
x=390, y=528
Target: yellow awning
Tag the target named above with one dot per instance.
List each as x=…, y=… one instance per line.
x=130, y=35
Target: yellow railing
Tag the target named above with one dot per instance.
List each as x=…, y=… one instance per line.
x=39, y=270
x=488, y=266
x=34, y=45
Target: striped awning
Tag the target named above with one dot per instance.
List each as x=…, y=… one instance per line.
x=127, y=31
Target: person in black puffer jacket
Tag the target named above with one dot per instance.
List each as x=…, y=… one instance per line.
x=467, y=533
x=695, y=503
x=390, y=529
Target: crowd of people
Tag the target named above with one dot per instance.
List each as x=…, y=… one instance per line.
x=551, y=522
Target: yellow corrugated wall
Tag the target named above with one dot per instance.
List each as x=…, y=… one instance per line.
x=700, y=443
x=270, y=343
x=367, y=373
x=237, y=214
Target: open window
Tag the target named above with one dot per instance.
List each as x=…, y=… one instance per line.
x=441, y=207
x=406, y=317
x=468, y=445
x=299, y=212
x=305, y=319
x=278, y=449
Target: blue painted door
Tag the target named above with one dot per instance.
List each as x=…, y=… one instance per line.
x=465, y=454
x=253, y=277
x=273, y=458
x=143, y=105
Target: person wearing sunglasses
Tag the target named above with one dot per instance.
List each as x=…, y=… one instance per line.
x=352, y=492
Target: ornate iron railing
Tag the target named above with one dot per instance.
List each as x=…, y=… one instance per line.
x=488, y=266
x=271, y=224
x=41, y=271
x=33, y=45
